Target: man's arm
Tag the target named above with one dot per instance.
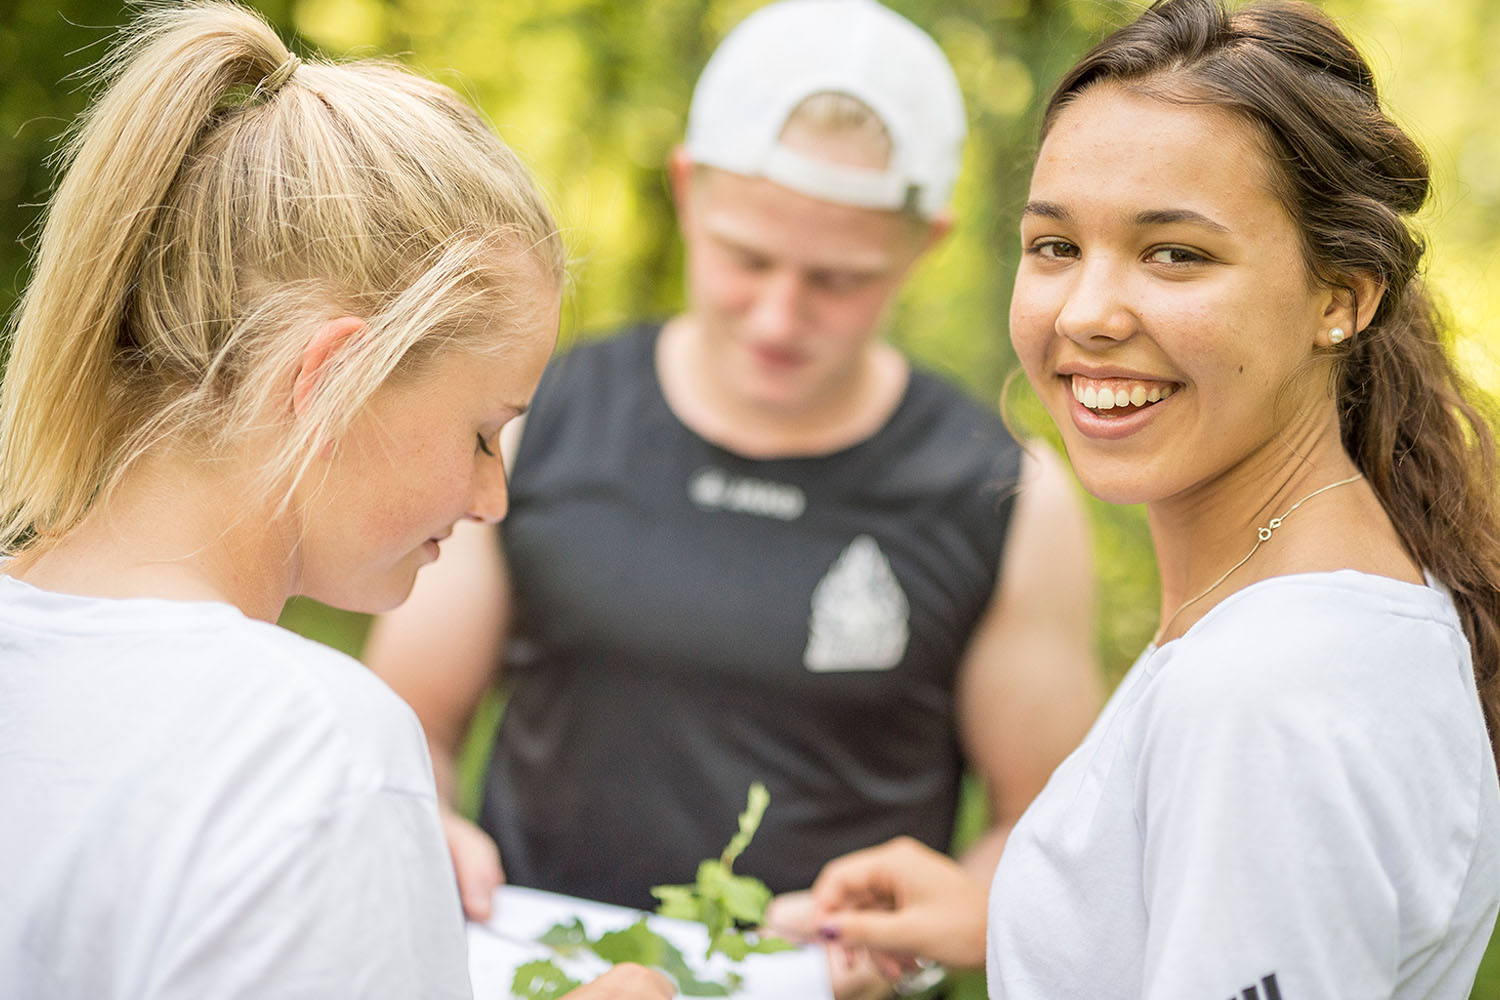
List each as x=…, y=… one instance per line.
x=1029, y=685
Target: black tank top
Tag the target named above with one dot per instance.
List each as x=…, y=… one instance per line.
x=688, y=621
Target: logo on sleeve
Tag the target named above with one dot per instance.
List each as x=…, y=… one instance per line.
x=859, y=613
x=1267, y=990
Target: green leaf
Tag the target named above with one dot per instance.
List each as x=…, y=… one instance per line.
x=636, y=943
x=731, y=944
x=745, y=898
x=541, y=980
x=688, y=984
x=639, y=943
x=769, y=944
x=711, y=875
x=678, y=901
x=566, y=937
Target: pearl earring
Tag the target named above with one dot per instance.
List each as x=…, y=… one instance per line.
x=1336, y=335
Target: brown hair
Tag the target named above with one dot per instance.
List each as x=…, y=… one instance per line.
x=221, y=201
x=1351, y=180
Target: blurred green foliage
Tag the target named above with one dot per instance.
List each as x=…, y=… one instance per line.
x=593, y=94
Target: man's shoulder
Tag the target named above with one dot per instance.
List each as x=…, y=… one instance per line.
x=941, y=422
x=940, y=395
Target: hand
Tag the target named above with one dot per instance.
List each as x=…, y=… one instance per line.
x=626, y=982
x=852, y=972
x=903, y=900
x=476, y=863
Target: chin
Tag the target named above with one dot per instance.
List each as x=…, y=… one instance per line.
x=373, y=598
x=1122, y=488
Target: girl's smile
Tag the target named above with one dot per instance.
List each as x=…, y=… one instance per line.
x=1162, y=309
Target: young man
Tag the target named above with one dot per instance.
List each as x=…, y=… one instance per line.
x=752, y=543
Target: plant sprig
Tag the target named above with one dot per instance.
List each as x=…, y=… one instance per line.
x=730, y=906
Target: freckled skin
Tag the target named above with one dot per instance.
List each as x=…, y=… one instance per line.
x=410, y=466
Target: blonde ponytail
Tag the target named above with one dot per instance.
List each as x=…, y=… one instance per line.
x=220, y=200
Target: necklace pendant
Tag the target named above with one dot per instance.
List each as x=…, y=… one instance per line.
x=1265, y=533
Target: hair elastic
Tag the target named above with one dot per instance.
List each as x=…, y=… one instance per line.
x=280, y=75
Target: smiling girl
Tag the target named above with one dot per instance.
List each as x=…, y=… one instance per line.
x=1292, y=793
x=280, y=313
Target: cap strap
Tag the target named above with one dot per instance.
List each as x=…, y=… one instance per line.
x=838, y=182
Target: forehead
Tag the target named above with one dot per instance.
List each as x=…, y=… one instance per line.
x=1116, y=147
x=759, y=215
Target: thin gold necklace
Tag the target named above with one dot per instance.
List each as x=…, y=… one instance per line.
x=1262, y=536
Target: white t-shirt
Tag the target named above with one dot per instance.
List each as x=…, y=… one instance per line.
x=1296, y=800
x=194, y=804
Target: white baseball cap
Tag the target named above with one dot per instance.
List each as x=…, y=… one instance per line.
x=788, y=51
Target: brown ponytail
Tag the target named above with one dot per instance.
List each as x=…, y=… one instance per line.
x=1412, y=424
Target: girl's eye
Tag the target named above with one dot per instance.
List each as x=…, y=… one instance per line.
x=1054, y=249
x=482, y=446
x=1175, y=255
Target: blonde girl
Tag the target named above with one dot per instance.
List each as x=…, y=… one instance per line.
x=280, y=313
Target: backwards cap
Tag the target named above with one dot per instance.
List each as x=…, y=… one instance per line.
x=788, y=51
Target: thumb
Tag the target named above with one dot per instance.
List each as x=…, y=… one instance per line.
x=477, y=894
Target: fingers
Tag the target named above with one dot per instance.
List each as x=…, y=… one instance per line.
x=626, y=982
x=906, y=900
x=793, y=915
x=876, y=877
x=856, y=974
x=476, y=865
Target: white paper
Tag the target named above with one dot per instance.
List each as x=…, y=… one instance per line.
x=521, y=915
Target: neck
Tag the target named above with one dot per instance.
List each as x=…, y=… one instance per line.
x=841, y=413
x=174, y=528
x=1201, y=535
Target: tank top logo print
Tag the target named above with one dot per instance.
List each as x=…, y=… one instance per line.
x=715, y=489
x=859, y=613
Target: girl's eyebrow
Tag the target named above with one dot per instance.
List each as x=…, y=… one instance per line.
x=1046, y=210
x=1150, y=217
x=1163, y=216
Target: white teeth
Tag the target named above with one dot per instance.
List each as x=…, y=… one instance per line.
x=1097, y=397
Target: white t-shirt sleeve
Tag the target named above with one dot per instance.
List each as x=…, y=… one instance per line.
x=350, y=903
x=1294, y=841
x=1261, y=866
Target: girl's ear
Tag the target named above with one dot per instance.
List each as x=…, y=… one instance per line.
x=1352, y=304
x=323, y=346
